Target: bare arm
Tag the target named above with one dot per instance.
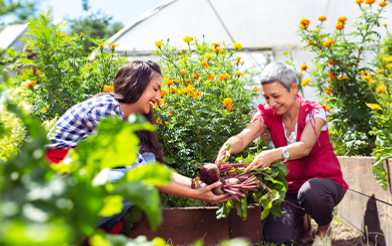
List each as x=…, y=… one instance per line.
x=297, y=150
x=239, y=142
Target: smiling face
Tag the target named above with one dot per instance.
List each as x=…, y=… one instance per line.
x=149, y=97
x=278, y=98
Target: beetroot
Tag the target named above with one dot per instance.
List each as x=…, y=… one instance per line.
x=209, y=173
x=218, y=190
x=226, y=183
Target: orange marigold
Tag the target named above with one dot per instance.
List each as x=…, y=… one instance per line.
x=359, y=1
x=33, y=82
x=196, y=75
x=381, y=88
x=158, y=121
x=331, y=76
x=382, y=3
x=211, y=77
x=328, y=91
x=229, y=107
x=304, y=23
x=162, y=93
x=332, y=62
x=370, y=1
x=385, y=24
x=322, y=18
x=183, y=72
x=339, y=26
x=256, y=89
x=204, y=64
x=227, y=101
x=304, y=67
x=215, y=44
x=327, y=108
x=108, y=88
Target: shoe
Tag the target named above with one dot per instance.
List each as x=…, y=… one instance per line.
x=322, y=242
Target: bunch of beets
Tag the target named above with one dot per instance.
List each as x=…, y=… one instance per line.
x=232, y=181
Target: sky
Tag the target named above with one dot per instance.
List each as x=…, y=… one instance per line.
x=123, y=11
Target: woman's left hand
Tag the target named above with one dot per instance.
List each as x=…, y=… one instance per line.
x=260, y=161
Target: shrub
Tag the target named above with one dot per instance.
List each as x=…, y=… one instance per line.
x=341, y=80
x=206, y=99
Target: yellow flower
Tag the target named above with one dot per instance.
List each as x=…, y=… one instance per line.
x=342, y=77
x=387, y=59
x=162, y=93
x=237, y=46
x=304, y=67
x=322, y=18
x=182, y=51
x=208, y=56
x=389, y=65
x=224, y=76
x=328, y=42
x=382, y=4
x=113, y=45
x=370, y=1
x=101, y=45
x=238, y=58
x=187, y=39
x=305, y=82
x=204, y=64
x=385, y=24
x=327, y=108
x=108, y=88
x=82, y=33
x=227, y=101
x=331, y=76
x=380, y=71
x=304, y=23
x=215, y=44
x=44, y=109
x=381, y=88
x=239, y=73
x=229, y=107
x=61, y=34
x=168, y=82
x=256, y=89
x=370, y=81
x=196, y=75
x=184, y=59
x=367, y=77
x=390, y=76
x=211, y=77
x=158, y=121
x=183, y=72
x=220, y=50
x=158, y=43
x=359, y=1
x=373, y=106
x=342, y=19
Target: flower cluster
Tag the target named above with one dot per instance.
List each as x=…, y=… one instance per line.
x=204, y=64
x=328, y=91
x=239, y=73
x=331, y=76
x=341, y=22
x=237, y=46
x=224, y=76
x=29, y=83
x=328, y=42
x=304, y=23
x=108, y=88
x=227, y=102
x=381, y=88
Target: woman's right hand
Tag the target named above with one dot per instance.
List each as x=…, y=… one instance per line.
x=205, y=194
x=223, y=155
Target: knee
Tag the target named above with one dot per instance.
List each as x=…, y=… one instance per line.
x=312, y=195
x=277, y=237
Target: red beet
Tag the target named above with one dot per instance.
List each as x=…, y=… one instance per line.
x=231, y=181
x=209, y=173
x=226, y=182
x=218, y=190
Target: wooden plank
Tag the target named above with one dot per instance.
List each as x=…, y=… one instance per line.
x=361, y=210
x=357, y=171
x=183, y=226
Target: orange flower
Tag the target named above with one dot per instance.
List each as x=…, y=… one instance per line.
x=370, y=81
x=381, y=88
x=224, y=76
x=328, y=42
x=359, y=1
x=108, y=88
x=304, y=67
x=168, y=82
x=322, y=18
x=183, y=72
x=339, y=26
x=113, y=45
x=170, y=113
x=101, y=45
x=332, y=62
x=327, y=108
x=158, y=121
x=328, y=91
x=382, y=4
x=310, y=42
x=331, y=76
x=204, y=64
x=211, y=77
x=256, y=89
x=385, y=24
x=304, y=23
x=82, y=33
x=370, y=1
x=196, y=75
x=162, y=93
x=215, y=44
x=33, y=82
x=229, y=107
x=227, y=101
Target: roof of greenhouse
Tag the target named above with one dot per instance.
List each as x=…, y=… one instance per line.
x=259, y=25
x=11, y=34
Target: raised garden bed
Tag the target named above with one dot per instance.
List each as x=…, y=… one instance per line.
x=182, y=226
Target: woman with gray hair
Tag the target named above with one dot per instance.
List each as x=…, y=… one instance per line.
x=299, y=131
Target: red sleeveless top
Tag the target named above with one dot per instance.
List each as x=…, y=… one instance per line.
x=321, y=162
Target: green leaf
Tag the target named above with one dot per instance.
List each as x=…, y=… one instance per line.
x=150, y=174
x=111, y=205
x=379, y=171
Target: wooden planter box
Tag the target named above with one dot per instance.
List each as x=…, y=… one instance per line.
x=366, y=203
x=182, y=226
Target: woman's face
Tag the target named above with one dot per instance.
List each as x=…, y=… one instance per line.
x=149, y=96
x=278, y=98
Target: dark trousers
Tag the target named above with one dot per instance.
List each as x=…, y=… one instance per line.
x=316, y=197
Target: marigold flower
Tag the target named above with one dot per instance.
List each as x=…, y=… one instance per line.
x=239, y=74
x=196, y=75
x=328, y=42
x=305, y=82
x=331, y=76
x=183, y=72
x=184, y=59
x=327, y=108
x=372, y=75
x=44, y=109
x=82, y=33
x=158, y=43
x=304, y=67
x=237, y=46
x=370, y=1
x=204, y=64
x=390, y=76
x=187, y=39
x=238, y=58
x=370, y=81
x=381, y=88
x=342, y=19
x=162, y=93
x=359, y=1
x=387, y=59
x=389, y=65
x=332, y=62
x=229, y=107
x=61, y=34
x=101, y=45
x=310, y=42
x=33, y=82
x=256, y=89
x=208, y=56
x=227, y=101
x=182, y=51
x=168, y=82
x=385, y=24
x=342, y=77
x=224, y=76
x=215, y=44
x=108, y=88
x=322, y=18
x=339, y=26
x=328, y=91
x=382, y=4
x=221, y=50
x=367, y=77
x=211, y=77
x=373, y=106
x=158, y=121
x=304, y=23
x=170, y=113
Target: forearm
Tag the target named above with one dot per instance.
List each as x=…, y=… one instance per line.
x=236, y=144
x=179, y=189
x=298, y=150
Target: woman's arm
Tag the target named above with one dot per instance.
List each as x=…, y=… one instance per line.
x=181, y=186
x=239, y=142
x=297, y=150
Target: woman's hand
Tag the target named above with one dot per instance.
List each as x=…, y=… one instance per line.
x=223, y=155
x=205, y=194
x=264, y=159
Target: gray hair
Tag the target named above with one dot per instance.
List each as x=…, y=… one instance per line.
x=279, y=72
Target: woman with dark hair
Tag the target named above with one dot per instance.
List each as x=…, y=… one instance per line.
x=137, y=87
x=299, y=131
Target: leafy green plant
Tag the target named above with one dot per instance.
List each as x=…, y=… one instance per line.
x=63, y=74
x=341, y=79
x=205, y=100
